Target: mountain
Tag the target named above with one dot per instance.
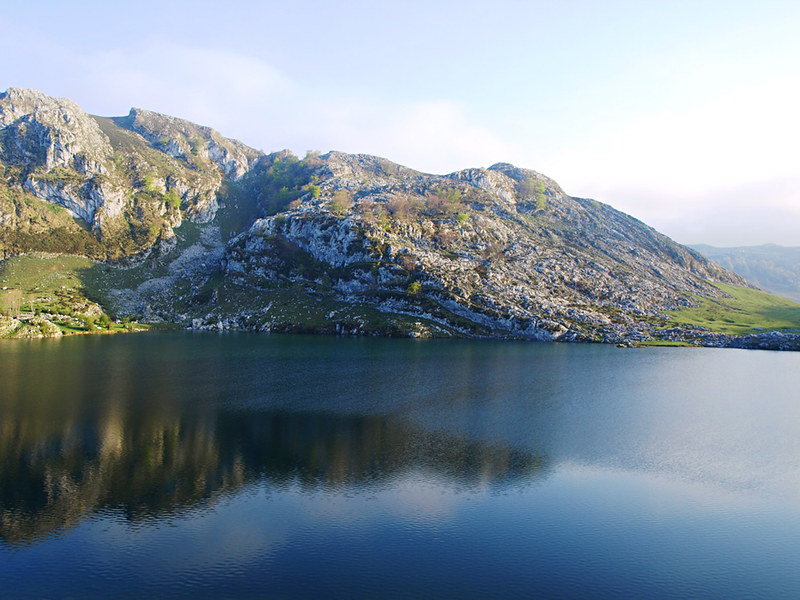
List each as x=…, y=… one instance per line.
x=124, y=183
x=770, y=267
x=183, y=225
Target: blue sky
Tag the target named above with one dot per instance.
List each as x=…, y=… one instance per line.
x=683, y=114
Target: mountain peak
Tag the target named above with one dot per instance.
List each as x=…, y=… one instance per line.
x=16, y=103
x=183, y=139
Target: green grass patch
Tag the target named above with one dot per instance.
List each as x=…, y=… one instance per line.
x=68, y=329
x=42, y=275
x=746, y=311
x=54, y=287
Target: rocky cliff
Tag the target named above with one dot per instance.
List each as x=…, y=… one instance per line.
x=207, y=232
x=126, y=182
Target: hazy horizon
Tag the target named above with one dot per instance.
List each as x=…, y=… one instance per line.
x=682, y=115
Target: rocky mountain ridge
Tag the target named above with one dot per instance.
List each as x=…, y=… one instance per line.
x=204, y=231
x=129, y=180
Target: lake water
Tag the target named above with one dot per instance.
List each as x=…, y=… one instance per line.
x=179, y=465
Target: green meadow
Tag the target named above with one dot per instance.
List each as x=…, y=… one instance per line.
x=745, y=311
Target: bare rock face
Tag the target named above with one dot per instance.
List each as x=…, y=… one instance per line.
x=51, y=133
x=63, y=153
x=185, y=140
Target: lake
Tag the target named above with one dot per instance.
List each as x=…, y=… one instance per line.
x=191, y=465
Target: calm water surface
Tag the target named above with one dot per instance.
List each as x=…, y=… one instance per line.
x=243, y=466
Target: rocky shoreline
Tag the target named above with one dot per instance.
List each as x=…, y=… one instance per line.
x=31, y=327
x=768, y=340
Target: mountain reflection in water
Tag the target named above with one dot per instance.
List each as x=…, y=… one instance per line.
x=81, y=437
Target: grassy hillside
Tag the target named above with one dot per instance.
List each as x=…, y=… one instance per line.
x=45, y=296
x=746, y=311
x=38, y=275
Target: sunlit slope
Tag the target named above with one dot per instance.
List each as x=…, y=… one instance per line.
x=46, y=296
x=746, y=311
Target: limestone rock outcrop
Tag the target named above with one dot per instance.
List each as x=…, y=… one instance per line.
x=130, y=180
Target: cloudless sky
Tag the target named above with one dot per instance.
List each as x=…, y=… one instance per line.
x=683, y=114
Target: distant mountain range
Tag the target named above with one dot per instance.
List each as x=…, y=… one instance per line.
x=769, y=267
x=186, y=226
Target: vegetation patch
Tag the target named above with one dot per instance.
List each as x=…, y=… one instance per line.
x=284, y=181
x=45, y=296
x=40, y=274
x=533, y=190
x=746, y=311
